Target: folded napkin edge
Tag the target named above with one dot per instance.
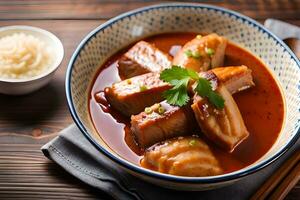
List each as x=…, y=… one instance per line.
x=109, y=186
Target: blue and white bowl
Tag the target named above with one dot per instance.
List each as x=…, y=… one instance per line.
x=129, y=27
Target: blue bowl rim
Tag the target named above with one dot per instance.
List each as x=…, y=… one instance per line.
x=150, y=173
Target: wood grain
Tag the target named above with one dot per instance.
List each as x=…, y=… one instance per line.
x=44, y=112
x=28, y=122
x=97, y=9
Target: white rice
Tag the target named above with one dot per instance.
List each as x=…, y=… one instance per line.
x=23, y=56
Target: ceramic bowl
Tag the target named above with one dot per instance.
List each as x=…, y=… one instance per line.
x=27, y=85
x=127, y=28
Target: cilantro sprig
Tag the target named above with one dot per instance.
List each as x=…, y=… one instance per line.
x=204, y=89
x=179, y=78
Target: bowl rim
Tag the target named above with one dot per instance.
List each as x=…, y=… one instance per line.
x=57, y=61
x=153, y=174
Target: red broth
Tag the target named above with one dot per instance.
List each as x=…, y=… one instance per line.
x=261, y=106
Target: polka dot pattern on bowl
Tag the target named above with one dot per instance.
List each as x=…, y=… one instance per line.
x=128, y=28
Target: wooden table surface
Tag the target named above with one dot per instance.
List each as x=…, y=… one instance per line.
x=28, y=122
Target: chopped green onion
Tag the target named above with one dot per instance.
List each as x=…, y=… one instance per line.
x=192, y=142
x=199, y=36
x=195, y=54
x=188, y=53
x=148, y=110
x=143, y=88
x=161, y=110
x=209, y=51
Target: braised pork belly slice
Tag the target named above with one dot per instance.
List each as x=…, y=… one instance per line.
x=183, y=156
x=202, y=53
x=143, y=58
x=131, y=96
x=234, y=78
x=149, y=128
x=225, y=127
x=160, y=122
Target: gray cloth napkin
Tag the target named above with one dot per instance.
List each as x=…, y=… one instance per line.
x=73, y=152
x=282, y=29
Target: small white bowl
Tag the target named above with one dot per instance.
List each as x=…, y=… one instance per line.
x=27, y=85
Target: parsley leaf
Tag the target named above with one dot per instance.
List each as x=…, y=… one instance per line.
x=174, y=73
x=177, y=73
x=194, y=75
x=178, y=97
x=216, y=100
x=178, y=94
x=203, y=87
x=179, y=78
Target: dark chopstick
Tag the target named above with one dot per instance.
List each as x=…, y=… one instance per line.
x=282, y=181
x=287, y=183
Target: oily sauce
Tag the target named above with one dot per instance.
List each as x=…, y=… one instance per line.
x=262, y=107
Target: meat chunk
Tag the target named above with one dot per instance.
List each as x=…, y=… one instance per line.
x=143, y=58
x=202, y=53
x=234, y=78
x=160, y=122
x=183, y=156
x=131, y=96
x=151, y=128
x=224, y=127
